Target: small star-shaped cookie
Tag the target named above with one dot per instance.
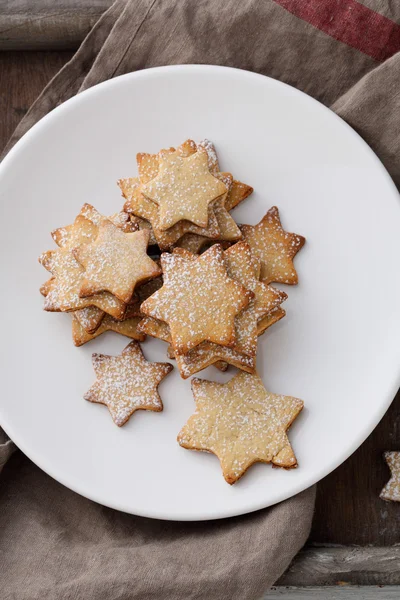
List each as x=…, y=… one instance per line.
x=89, y=317
x=391, y=491
x=62, y=292
x=115, y=262
x=266, y=298
x=241, y=423
x=275, y=247
x=127, y=383
x=137, y=204
x=183, y=189
x=198, y=300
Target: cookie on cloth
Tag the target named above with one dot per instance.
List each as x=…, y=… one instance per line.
x=198, y=300
x=275, y=247
x=127, y=383
x=241, y=423
x=115, y=262
x=391, y=491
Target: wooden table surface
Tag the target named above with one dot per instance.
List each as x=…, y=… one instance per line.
x=348, y=509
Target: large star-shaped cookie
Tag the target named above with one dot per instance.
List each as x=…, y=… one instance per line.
x=115, y=262
x=275, y=247
x=127, y=383
x=391, y=491
x=241, y=423
x=198, y=300
x=183, y=189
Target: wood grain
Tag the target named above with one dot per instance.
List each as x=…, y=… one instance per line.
x=344, y=565
x=23, y=75
x=348, y=509
x=46, y=24
x=334, y=593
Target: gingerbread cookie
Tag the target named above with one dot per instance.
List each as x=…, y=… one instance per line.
x=275, y=247
x=198, y=300
x=127, y=383
x=241, y=423
x=391, y=491
x=115, y=262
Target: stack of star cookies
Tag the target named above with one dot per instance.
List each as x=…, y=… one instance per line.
x=212, y=307
x=100, y=274
x=203, y=287
x=183, y=198
x=215, y=300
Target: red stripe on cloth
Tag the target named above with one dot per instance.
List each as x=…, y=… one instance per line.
x=349, y=22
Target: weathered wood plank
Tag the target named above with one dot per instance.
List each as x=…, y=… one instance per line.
x=46, y=24
x=23, y=75
x=344, y=565
x=334, y=593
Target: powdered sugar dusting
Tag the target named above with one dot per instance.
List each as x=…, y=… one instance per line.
x=241, y=423
x=391, y=491
x=198, y=300
x=127, y=383
x=275, y=247
x=183, y=189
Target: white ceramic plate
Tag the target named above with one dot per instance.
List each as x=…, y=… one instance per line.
x=337, y=349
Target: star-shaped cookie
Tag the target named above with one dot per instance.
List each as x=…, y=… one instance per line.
x=62, y=292
x=115, y=262
x=241, y=268
x=391, y=491
x=275, y=247
x=127, y=383
x=220, y=224
x=207, y=354
x=183, y=189
x=137, y=204
x=127, y=327
x=241, y=423
x=198, y=300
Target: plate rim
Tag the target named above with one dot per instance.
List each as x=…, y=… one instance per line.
x=375, y=416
